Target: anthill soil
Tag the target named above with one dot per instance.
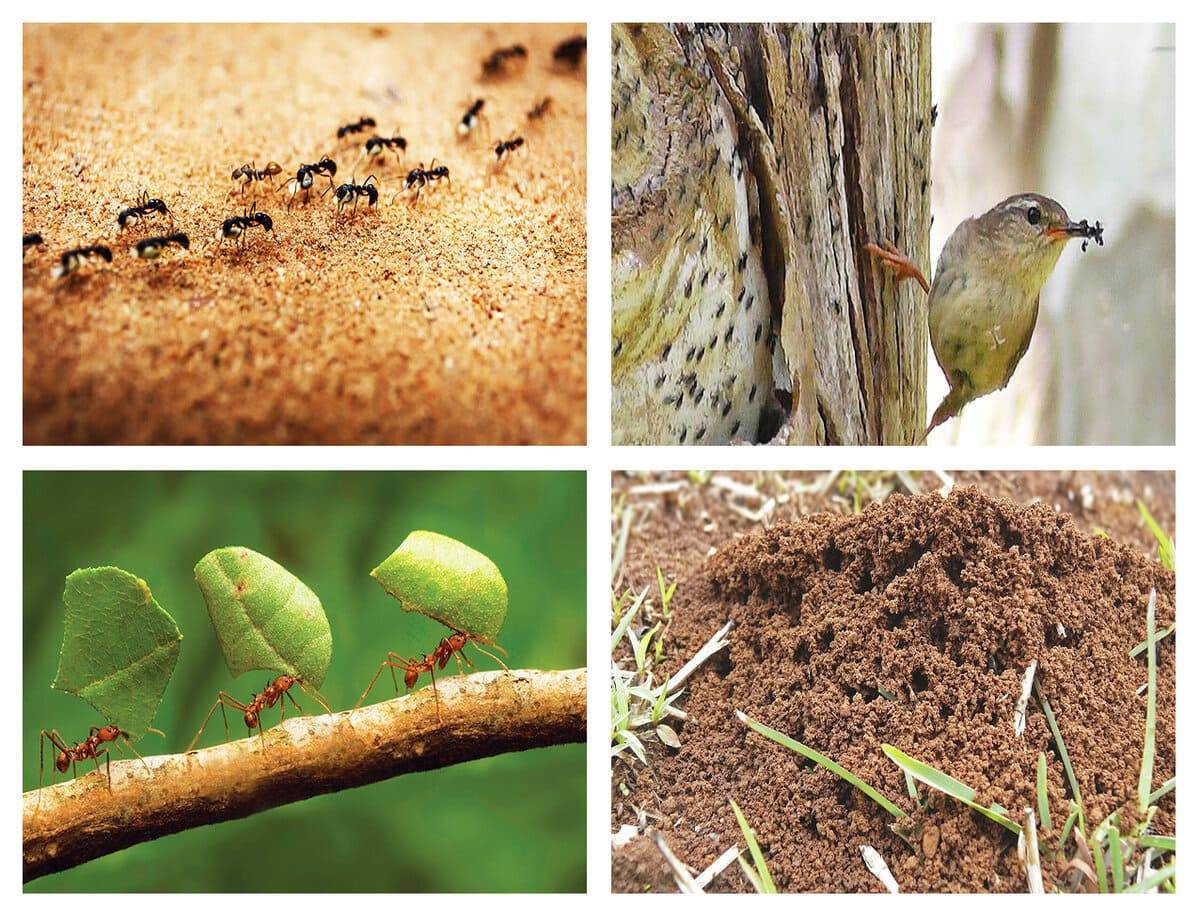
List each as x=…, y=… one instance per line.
x=460, y=319
x=938, y=602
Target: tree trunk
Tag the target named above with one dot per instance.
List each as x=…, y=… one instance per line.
x=829, y=149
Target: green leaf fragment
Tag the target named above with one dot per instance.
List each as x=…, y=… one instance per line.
x=448, y=581
x=119, y=647
x=264, y=616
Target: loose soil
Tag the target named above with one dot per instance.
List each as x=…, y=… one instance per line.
x=460, y=319
x=938, y=602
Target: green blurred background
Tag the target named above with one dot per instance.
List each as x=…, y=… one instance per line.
x=510, y=823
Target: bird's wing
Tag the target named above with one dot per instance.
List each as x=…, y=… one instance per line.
x=1012, y=367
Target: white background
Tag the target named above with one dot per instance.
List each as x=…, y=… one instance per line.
x=598, y=458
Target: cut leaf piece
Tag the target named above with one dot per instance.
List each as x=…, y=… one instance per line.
x=119, y=647
x=264, y=616
x=450, y=582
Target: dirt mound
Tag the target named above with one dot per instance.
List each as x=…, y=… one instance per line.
x=911, y=624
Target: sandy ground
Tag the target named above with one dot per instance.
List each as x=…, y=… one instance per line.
x=460, y=319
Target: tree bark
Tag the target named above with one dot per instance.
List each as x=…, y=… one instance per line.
x=833, y=123
x=482, y=715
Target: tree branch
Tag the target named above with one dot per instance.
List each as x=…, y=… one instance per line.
x=483, y=714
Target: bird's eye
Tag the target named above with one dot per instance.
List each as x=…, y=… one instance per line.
x=1034, y=215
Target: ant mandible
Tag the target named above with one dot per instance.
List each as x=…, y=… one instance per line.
x=451, y=646
x=69, y=756
x=277, y=690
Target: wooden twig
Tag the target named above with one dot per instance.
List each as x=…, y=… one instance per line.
x=483, y=714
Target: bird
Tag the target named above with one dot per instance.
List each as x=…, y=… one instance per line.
x=692, y=336
x=983, y=303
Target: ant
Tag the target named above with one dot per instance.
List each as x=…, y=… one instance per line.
x=277, y=690
x=376, y=144
x=72, y=259
x=505, y=147
x=250, y=174
x=471, y=118
x=235, y=227
x=451, y=646
x=144, y=207
x=69, y=756
x=306, y=173
x=351, y=191
x=29, y=240
x=155, y=245
x=540, y=109
x=570, y=51
x=495, y=64
x=420, y=177
x=355, y=127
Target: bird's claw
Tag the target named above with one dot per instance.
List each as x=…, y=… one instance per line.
x=897, y=262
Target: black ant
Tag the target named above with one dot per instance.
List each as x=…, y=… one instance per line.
x=471, y=118
x=451, y=646
x=505, y=147
x=420, y=177
x=277, y=690
x=249, y=174
x=306, y=173
x=235, y=227
x=144, y=207
x=29, y=240
x=69, y=756
x=72, y=259
x=355, y=127
x=155, y=245
x=496, y=63
x=570, y=51
x=351, y=191
x=376, y=144
x=540, y=109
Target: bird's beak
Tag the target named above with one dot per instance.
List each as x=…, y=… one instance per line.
x=1069, y=229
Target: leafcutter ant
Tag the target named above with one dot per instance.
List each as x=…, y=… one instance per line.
x=70, y=756
x=451, y=646
x=277, y=690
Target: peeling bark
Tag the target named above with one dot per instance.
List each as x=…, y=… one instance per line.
x=483, y=714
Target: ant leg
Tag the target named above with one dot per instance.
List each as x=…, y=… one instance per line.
x=492, y=655
x=313, y=694
x=132, y=749
x=437, y=704
x=59, y=744
x=222, y=700
x=371, y=684
x=107, y=767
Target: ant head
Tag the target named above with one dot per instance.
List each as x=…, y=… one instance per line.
x=263, y=220
x=182, y=240
x=251, y=719
x=62, y=762
x=366, y=121
x=328, y=165
x=372, y=193
x=104, y=252
x=109, y=733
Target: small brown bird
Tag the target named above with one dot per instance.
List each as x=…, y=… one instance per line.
x=983, y=304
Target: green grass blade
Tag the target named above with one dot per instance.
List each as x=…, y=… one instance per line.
x=910, y=785
x=623, y=625
x=1062, y=753
x=1147, y=774
x=1158, y=636
x=941, y=781
x=814, y=756
x=1098, y=865
x=1068, y=825
x=1162, y=842
x=1167, y=787
x=1043, y=794
x=760, y=863
x=1116, y=855
x=1154, y=879
x=1166, y=546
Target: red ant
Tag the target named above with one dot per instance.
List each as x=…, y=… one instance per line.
x=69, y=756
x=276, y=691
x=451, y=646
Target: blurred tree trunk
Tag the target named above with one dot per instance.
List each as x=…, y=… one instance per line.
x=833, y=125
